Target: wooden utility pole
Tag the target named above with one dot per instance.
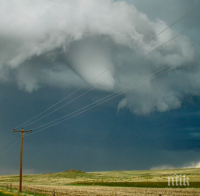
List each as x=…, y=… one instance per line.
x=21, y=155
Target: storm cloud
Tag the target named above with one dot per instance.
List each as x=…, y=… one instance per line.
x=67, y=44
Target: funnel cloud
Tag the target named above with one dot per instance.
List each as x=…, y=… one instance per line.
x=66, y=44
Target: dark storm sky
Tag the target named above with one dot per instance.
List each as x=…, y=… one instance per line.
x=110, y=136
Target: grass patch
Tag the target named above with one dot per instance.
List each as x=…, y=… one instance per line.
x=15, y=192
x=137, y=184
x=2, y=193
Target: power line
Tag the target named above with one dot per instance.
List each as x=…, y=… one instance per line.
x=110, y=78
x=99, y=75
x=10, y=147
x=85, y=107
x=85, y=110
x=143, y=58
x=8, y=137
x=90, y=106
x=6, y=140
x=51, y=106
x=62, y=106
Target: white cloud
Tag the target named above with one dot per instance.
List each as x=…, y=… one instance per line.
x=198, y=165
x=162, y=167
x=190, y=165
x=193, y=165
x=67, y=43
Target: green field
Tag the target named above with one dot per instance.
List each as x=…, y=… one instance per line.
x=5, y=194
x=145, y=178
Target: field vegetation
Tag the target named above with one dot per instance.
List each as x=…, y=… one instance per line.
x=74, y=182
x=148, y=178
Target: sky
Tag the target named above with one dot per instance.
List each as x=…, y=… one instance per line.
x=136, y=77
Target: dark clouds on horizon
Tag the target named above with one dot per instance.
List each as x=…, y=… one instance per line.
x=44, y=57
x=100, y=139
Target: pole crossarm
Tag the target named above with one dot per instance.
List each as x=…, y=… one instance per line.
x=21, y=155
x=22, y=131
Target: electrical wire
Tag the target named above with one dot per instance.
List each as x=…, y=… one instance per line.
x=110, y=78
x=6, y=140
x=9, y=147
x=86, y=108
x=142, y=58
x=100, y=75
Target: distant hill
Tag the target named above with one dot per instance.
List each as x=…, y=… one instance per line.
x=73, y=171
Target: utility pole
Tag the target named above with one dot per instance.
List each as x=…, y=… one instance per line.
x=21, y=155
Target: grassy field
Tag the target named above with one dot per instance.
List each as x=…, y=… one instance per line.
x=148, y=178
x=2, y=193
x=123, y=183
